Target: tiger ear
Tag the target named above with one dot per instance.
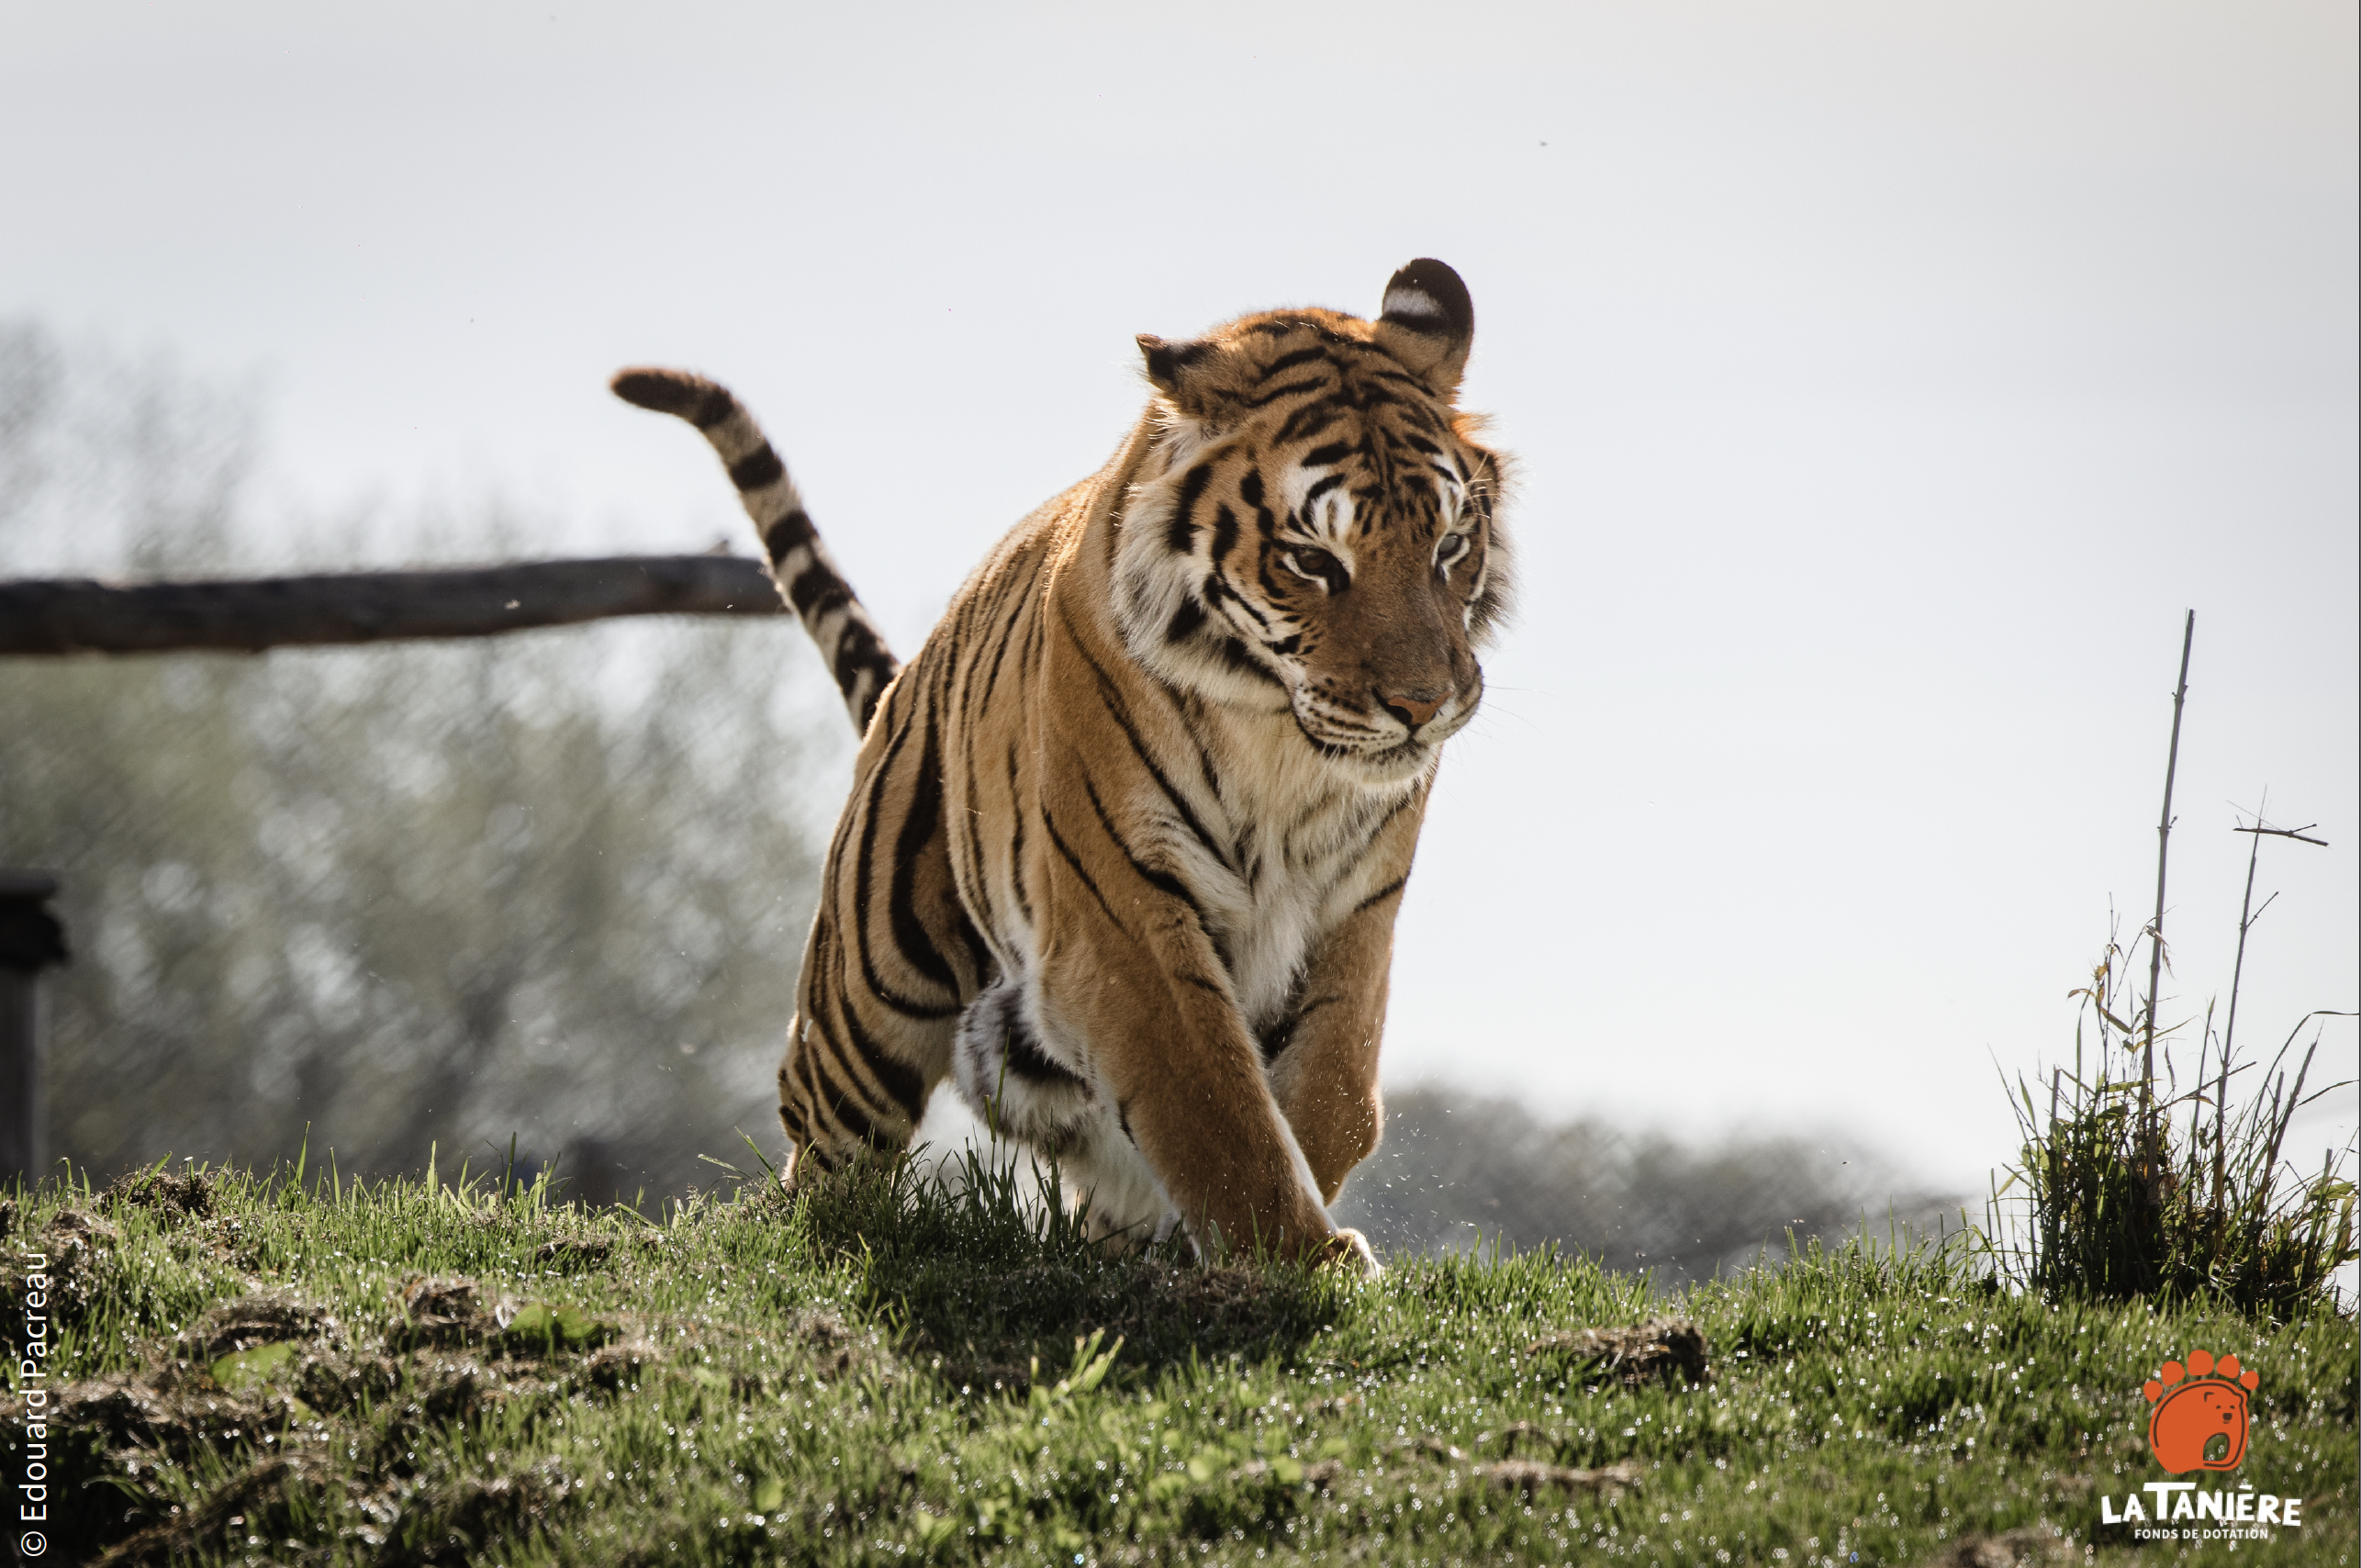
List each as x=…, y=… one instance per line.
x=1428, y=322
x=1176, y=370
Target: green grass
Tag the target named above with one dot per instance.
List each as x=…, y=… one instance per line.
x=851, y=1377
x=2128, y=1188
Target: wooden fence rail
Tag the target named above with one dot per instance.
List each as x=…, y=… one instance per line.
x=77, y=615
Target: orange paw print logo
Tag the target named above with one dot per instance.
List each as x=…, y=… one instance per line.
x=2200, y=1418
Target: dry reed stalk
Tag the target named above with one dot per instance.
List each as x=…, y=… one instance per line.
x=2156, y=927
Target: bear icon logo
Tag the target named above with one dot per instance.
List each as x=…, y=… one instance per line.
x=2200, y=1418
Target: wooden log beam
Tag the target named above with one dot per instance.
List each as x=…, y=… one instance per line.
x=79, y=616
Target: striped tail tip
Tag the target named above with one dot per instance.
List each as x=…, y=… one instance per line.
x=848, y=640
x=692, y=397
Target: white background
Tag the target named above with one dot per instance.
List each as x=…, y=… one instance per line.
x=1887, y=380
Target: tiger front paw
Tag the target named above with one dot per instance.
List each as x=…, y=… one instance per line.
x=1349, y=1249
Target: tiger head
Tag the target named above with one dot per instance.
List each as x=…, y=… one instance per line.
x=1315, y=533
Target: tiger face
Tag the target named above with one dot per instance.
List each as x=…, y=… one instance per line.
x=1317, y=537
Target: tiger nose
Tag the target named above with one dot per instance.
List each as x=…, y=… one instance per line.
x=1414, y=708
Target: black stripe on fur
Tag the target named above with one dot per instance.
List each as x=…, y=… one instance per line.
x=757, y=469
x=788, y=533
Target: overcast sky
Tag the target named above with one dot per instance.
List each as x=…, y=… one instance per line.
x=1887, y=380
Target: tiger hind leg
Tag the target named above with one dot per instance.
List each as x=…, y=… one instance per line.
x=858, y=1072
x=1019, y=1088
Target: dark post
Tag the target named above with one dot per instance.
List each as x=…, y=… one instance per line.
x=31, y=941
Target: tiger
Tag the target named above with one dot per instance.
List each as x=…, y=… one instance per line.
x=1127, y=841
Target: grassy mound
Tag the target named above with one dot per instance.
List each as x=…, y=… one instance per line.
x=246, y=1369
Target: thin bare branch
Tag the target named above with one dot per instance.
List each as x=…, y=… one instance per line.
x=2164, y=840
x=2295, y=833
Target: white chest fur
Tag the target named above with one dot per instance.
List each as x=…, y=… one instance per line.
x=1289, y=854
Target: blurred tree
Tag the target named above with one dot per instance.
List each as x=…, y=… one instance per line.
x=554, y=884
x=1455, y=1171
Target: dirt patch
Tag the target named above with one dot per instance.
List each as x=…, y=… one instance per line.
x=171, y=1539
x=1516, y=1434
x=476, y=1513
x=614, y=1368
x=76, y=1243
x=178, y=1406
x=1525, y=1476
x=173, y=1197
x=122, y=1435
x=444, y=1391
x=266, y=1319
x=2035, y=1546
x=169, y=1412
x=577, y=1254
x=336, y=1384
x=118, y=1440
x=1648, y=1353
x=82, y=1223
x=1431, y=1445
x=1314, y=1475
x=442, y=1310
x=837, y=1349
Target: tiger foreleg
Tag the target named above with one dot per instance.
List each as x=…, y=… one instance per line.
x=1190, y=1092
x=1325, y=1072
